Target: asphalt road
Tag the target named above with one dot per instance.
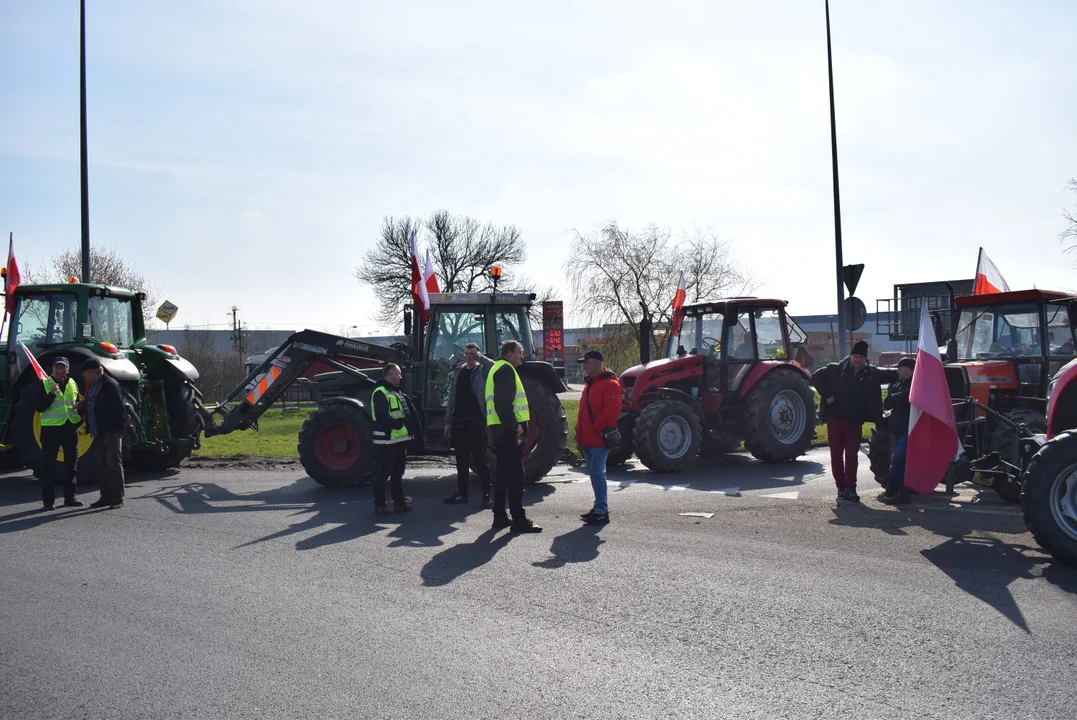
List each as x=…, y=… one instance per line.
x=259, y=594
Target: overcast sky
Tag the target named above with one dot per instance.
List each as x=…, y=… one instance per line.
x=244, y=152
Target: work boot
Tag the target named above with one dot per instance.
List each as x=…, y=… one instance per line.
x=457, y=498
x=45, y=507
x=72, y=502
x=401, y=508
x=501, y=520
x=851, y=496
x=486, y=503
x=524, y=525
x=382, y=509
x=901, y=497
x=100, y=503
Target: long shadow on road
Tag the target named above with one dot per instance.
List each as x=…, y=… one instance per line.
x=979, y=563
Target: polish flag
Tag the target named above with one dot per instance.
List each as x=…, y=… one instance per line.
x=988, y=278
x=429, y=278
x=678, y=309
x=12, y=278
x=933, y=441
x=418, y=289
x=41, y=375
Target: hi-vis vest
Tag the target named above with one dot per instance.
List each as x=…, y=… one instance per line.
x=396, y=412
x=519, y=402
x=62, y=409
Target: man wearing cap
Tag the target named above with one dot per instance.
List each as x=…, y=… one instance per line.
x=897, y=402
x=850, y=394
x=600, y=405
x=105, y=420
x=59, y=407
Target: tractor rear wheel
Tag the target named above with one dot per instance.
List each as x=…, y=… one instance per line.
x=779, y=417
x=547, y=434
x=1049, y=497
x=880, y=452
x=668, y=435
x=336, y=445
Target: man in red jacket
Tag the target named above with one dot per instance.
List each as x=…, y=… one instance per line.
x=600, y=405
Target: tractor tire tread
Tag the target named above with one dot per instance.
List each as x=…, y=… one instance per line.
x=757, y=438
x=1044, y=467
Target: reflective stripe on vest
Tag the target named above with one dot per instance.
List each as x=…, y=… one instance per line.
x=519, y=402
x=396, y=412
x=62, y=409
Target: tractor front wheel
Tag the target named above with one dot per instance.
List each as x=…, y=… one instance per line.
x=336, y=446
x=1049, y=497
x=184, y=422
x=779, y=417
x=667, y=437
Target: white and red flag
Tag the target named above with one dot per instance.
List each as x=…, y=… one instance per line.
x=418, y=287
x=933, y=441
x=678, y=309
x=430, y=279
x=988, y=278
x=12, y=278
x=41, y=374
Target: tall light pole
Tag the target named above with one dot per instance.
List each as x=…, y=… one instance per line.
x=85, y=170
x=837, y=200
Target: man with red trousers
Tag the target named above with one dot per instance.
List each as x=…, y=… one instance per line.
x=600, y=405
x=850, y=395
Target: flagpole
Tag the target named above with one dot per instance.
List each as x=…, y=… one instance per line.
x=837, y=200
x=83, y=162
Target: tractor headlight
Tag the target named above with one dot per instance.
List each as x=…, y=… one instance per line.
x=627, y=394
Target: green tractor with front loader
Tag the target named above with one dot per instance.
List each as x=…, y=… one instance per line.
x=81, y=321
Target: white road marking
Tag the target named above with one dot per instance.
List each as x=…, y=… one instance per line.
x=792, y=495
x=697, y=514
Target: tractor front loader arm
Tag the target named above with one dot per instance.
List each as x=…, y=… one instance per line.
x=243, y=406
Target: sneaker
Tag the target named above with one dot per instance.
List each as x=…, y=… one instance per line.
x=382, y=510
x=587, y=515
x=486, y=502
x=456, y=498
x=501, y=520
x=524, y=526
x=72, y=503
x=598, y=519
x=851, y=496
x=400, y=509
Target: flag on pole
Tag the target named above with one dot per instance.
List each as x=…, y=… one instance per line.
x=429, y=278
x=988, y=278
x=678, y=309
x=12, y=278
x=41, y=375
x=418, y=289
x=933, y=441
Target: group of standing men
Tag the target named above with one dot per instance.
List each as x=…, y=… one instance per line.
x=850, y=395
x=488, y=410
x=63, y=410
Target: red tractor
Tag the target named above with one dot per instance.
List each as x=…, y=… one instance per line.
x=1049, y=487
x=730, y=378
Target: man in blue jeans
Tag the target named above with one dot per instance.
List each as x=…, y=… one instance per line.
x=897, y=402
x=600, y=406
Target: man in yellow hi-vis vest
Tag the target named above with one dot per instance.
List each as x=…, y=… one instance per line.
x=507, y=416
x=59, y=403
x=389, y=411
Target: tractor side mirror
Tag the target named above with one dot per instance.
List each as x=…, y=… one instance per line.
x=951, y=351
x=407, y=322
x=731, y=315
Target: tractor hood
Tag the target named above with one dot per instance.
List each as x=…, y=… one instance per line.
x=644, y=377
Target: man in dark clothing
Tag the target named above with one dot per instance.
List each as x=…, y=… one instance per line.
x=57, y=399
x=106, y=420
x=507, y=415
x=851, y=395
x=897, y=402
x=389, y=411
x=465, y=423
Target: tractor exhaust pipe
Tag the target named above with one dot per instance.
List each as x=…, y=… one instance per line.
x=645, y=328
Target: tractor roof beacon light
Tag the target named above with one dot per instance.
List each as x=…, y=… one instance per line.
x=495, y=273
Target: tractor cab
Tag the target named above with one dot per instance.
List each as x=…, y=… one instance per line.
x=1013, y=343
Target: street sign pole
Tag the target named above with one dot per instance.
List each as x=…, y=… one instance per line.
x=85, y=179
x=837, y=200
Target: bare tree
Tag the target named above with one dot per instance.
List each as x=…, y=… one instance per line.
x=219, y=372
x=617, y=273
x=463, y=250
x=1069, y=235
x=107, y=267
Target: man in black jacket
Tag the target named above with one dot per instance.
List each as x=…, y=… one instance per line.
x=389, y=411
x=850, y=395
x=897, y=402
x=105, y=420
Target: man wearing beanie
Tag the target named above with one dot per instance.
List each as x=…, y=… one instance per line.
x=897, y=402
x=850, y=395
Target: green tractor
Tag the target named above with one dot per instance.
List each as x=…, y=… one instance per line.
x=80, y=321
